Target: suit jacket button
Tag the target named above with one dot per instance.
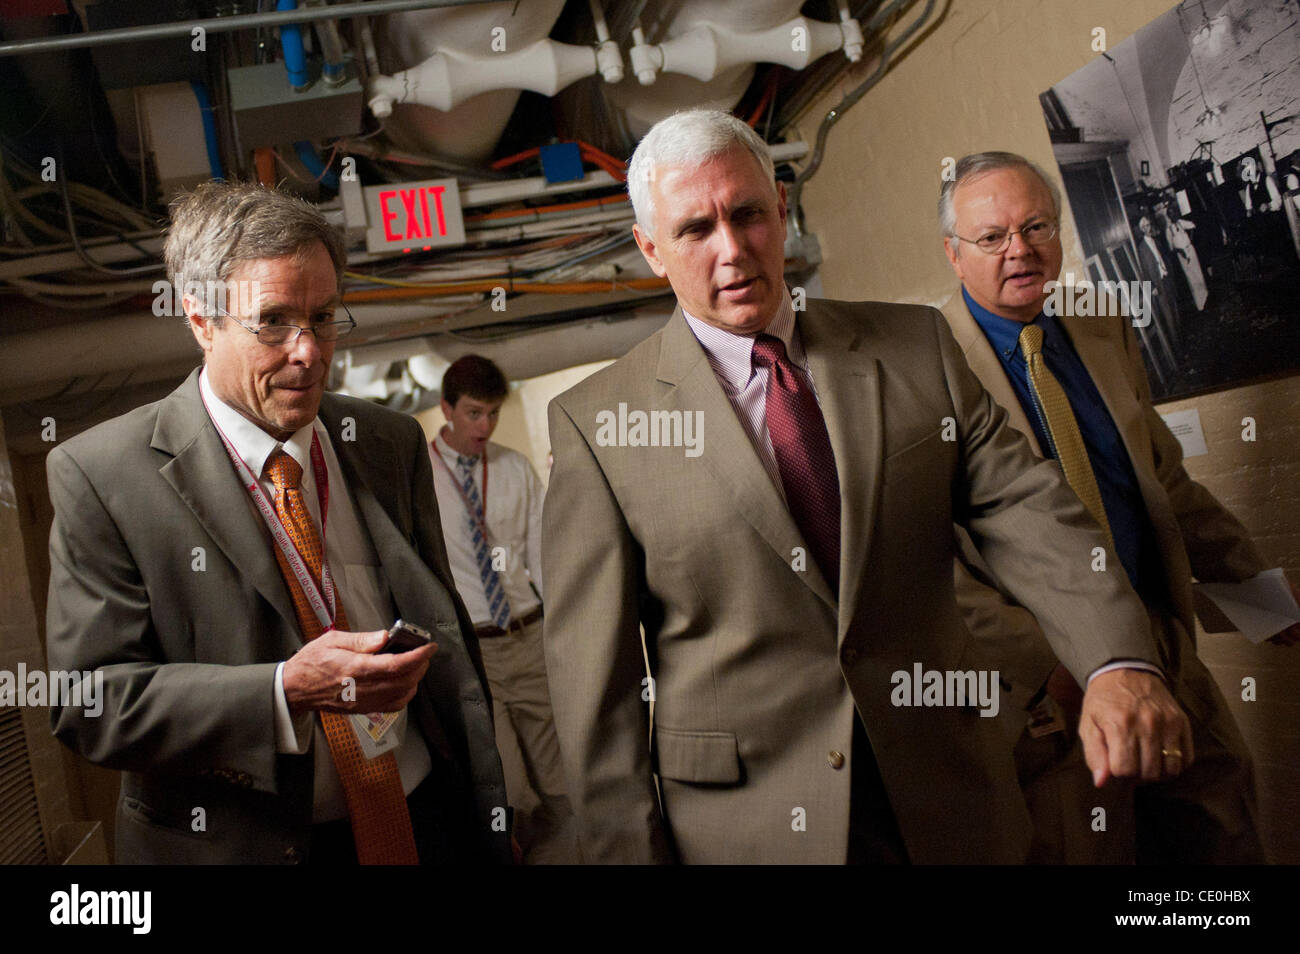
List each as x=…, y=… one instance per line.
x=836, y=758
x=850, y=655
x=292, y=855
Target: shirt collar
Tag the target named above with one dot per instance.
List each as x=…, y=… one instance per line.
x=251, y=443
x=449, y=453
x=731, y=355
x=1004, y=333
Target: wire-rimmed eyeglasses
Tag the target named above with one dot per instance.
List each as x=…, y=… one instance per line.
x=273, y=335
x=996, y=241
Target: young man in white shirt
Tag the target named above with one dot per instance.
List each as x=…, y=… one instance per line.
x=490, y=500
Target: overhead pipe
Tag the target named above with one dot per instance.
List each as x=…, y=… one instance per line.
x=295, y=58
x=209, y=128
x=710, y=49
x=138, y=340
x=793, y=106
x=608, y=58
x=448, y=78
x=837, y=113
x=365, y=38
x=244, y=21
x=334, y=69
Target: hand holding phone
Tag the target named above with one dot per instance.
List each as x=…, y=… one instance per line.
x=404, y=637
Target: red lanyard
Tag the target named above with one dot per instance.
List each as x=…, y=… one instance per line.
x=479, y=518
x=323, y=604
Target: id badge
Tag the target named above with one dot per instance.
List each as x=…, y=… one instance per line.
x=1045, y=718
x=373, y=733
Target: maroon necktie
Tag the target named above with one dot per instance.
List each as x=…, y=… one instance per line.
x=803, y=455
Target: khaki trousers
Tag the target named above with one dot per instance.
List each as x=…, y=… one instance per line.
x=530, y=751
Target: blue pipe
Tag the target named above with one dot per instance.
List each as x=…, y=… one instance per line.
x=295, y=59
x=308, y=157
x=209, y=128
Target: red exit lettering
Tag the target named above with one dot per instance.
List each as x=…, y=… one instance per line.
x=415, y=205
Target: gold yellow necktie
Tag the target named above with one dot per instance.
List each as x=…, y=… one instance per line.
x=1064, y=430
x=381, y=820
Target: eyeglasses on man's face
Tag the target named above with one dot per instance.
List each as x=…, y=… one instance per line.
x=996, y=241
x=278, y=331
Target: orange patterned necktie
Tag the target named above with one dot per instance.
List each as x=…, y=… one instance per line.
x=381, y=821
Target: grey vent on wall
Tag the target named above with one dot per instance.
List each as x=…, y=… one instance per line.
x=21, y=840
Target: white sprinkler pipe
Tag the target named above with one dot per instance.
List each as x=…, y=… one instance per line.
x=447, y=79
x=608, y=57
x=710, y=48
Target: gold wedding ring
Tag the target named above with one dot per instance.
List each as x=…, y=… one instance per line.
x=1172, y=753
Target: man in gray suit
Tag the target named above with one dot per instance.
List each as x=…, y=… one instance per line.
x=770, y=495
x=229, y=559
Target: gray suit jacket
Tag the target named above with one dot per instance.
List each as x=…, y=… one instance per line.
x=189, y=657
x=759, y=670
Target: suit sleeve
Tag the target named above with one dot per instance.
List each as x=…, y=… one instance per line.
x=157, y=716
x=1008, y=632
x=594, y=578
x=536, y=496
x=1035, y=536
x=1219, y=548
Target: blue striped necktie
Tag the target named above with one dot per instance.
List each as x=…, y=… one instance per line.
x=493, y=591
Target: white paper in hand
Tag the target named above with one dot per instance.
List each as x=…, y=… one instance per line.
x=1260, y=607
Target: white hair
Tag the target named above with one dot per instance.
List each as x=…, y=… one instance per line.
x=688, y=138
x=981, y=163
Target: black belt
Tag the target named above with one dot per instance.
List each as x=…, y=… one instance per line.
x=515, y=625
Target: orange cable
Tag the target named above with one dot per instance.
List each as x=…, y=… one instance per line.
x=558, y=288
x=563, y=206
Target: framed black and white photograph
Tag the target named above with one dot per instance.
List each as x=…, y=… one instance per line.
x=1179, y=149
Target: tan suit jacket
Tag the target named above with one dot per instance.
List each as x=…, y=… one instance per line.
x=758, y=669
x=1196, y=535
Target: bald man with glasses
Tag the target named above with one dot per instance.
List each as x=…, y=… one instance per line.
x=1077, y=389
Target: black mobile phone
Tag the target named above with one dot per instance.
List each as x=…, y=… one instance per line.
x=404, y=636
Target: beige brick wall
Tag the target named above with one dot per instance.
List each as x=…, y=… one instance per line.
x=1259, y=482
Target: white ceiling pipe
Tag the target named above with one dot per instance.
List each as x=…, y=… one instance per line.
x=853, y=39
x=469, y=133
x=553, y=349
x=709, y=49
x=106, y=251
x=608, y=57
x=138, y=340
x=448, y=78
x=523, y=356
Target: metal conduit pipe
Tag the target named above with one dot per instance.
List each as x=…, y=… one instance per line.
x=837, y=113
x=138, y=340
x=244, y=21
x=792, y=108
x=334, y=69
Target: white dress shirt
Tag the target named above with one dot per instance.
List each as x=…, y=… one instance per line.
x=358, y=579
x=514, y=522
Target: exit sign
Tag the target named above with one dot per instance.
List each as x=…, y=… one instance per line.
x=413, y=216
